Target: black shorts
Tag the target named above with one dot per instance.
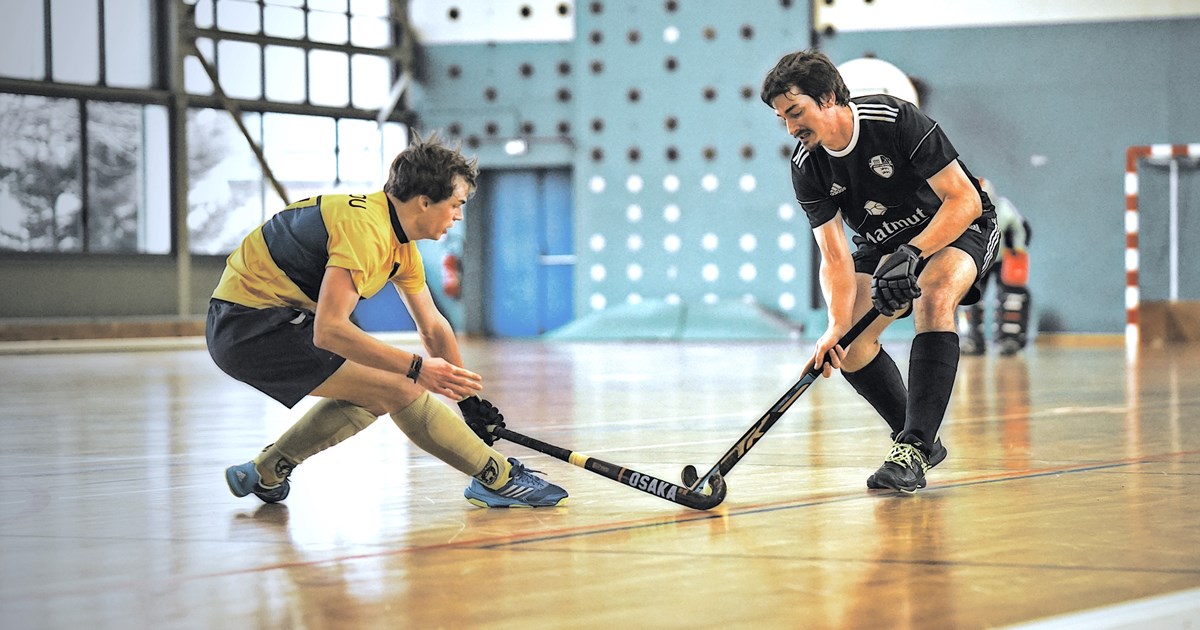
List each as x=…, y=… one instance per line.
x=981, y=242
x=270, y=349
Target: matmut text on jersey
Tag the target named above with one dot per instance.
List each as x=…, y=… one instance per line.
x=879, y=181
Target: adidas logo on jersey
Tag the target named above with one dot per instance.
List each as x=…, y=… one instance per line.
x=837, y=189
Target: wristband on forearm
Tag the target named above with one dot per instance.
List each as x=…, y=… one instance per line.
x=414, y=370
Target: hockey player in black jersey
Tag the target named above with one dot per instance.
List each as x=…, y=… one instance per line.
x=924, y=235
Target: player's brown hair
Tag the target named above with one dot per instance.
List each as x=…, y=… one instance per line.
x=810, y=72
x=427, y=167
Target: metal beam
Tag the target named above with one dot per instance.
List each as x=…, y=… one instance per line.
x=193, y=32
x=235, y=112
x=89, y=92
x=173, y=13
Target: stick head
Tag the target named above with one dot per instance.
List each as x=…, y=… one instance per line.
x=690, y=476
x=708, y=497
x=715, y=490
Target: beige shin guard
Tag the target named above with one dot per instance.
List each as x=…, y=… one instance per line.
x=434, y=427
x=327, y=423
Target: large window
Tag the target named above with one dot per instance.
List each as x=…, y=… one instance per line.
x=309, y=155
x=331, y=53
x=68, y=41
x=47, y=178
x=84, y=118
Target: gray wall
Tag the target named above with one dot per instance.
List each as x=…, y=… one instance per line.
x=99, y=286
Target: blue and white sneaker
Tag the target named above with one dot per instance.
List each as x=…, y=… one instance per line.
x=524, y=489
x=243, y=479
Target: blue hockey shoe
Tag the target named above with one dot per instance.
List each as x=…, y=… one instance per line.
x=524, y=489
x=243, y=479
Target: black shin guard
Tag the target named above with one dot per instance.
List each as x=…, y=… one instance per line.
x=881, y=384
x=932, y=366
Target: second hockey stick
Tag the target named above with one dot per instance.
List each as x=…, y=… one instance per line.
x=752, y=435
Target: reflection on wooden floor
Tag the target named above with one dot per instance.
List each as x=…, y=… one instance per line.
x=1071, y=485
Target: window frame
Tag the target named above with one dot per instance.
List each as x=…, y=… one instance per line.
x=173, y=35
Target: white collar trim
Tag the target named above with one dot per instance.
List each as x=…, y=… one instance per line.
x=853, y=136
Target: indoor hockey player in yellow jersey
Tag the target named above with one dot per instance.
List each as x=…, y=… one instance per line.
x=280, y=321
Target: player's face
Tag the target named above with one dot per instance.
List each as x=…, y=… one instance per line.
x=441, y=216
x=805, y=120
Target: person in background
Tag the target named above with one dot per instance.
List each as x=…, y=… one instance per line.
x=1011, y=323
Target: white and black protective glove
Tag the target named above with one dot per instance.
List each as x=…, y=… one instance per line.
x=894, y=283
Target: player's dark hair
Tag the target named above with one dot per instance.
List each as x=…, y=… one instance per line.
x=427, y=167
x=810, y=72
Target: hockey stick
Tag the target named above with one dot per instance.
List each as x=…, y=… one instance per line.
x=689, y=497
x=760, y=428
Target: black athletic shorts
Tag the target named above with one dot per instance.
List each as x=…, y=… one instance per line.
x=270, y=349
x=981, y=242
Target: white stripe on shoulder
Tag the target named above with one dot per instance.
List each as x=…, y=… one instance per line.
x=877, y=111
x=914, y=151
x=800, y=156
x=877, y=108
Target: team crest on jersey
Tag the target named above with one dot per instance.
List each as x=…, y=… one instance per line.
x=882, y=165
x=874, y=208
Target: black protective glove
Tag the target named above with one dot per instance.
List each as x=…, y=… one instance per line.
x=894, y=283
x=480, y=415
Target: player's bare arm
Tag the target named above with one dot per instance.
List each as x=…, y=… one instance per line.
x=960, y=207
x=436, y=333
x=333, y=331
x=438, y=338
x=839, y=288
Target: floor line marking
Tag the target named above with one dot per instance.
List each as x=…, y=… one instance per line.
x=511, y=541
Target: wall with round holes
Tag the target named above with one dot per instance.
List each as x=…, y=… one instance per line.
x=681, y=184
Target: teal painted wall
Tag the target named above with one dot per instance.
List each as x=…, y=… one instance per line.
x=1075, y=95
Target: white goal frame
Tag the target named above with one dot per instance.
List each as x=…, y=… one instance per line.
x=1168, y=154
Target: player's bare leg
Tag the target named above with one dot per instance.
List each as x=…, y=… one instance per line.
x=354, y=396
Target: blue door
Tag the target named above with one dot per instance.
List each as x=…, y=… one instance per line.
x=531, y=253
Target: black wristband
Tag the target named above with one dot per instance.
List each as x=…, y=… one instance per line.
x=414, y=370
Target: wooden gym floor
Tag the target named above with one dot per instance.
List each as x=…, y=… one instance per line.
x=1070, y=490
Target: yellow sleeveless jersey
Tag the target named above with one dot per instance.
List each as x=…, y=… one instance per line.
x=283, y=261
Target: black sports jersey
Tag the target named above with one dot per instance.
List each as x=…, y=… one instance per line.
x=878, y=181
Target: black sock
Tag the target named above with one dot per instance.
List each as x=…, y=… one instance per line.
x=881, y=384
x=932, y=366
